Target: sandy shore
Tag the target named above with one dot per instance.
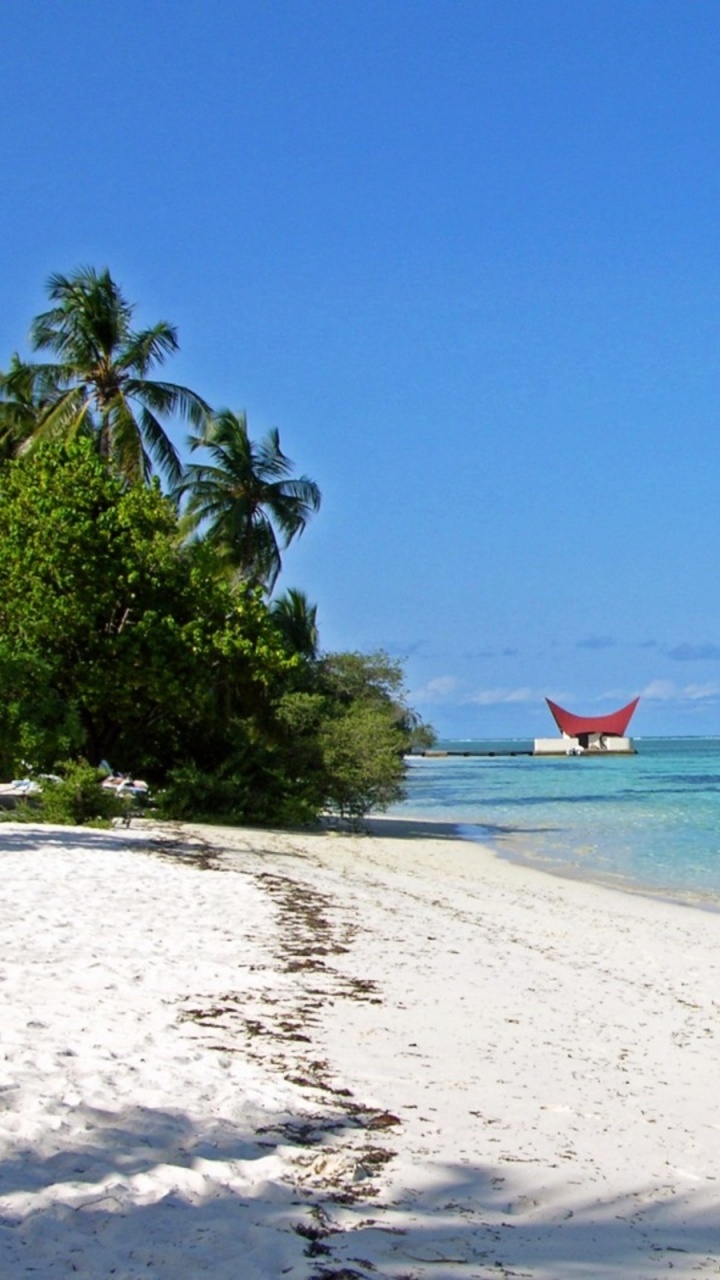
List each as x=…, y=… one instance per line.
x=249, y=1055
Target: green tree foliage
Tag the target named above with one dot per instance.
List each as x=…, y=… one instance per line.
x=362, y=760
x=77, y=798
x=245, y=501
x=296, y=619
x=347, y=730
x=122, y=638
x=367, y=731
x=119, y=641
x=21, y=396
x=377, y=679
x=115, y=641
x=99, y=383
x=370, y=677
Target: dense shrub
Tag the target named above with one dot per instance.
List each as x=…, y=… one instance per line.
x=79, y=798
x=75, y=798
x=120, y=642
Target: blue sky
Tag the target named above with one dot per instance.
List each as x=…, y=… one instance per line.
x=466, y=257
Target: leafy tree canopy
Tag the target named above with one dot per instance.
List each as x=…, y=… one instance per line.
x=116, y=641
x=98, y=384
x=123, y=638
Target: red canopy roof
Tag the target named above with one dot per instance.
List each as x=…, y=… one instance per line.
x=615, y=724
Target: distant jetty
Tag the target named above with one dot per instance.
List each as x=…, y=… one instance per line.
x=438, y=754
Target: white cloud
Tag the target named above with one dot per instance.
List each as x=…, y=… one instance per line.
x=693, y=692
x=448, y=689
x=659, y=691
x=668, y=691
x=616, y=697
x=441, y=689
x=494, y=697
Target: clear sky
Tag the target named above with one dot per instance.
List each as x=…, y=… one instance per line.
x=465, y=255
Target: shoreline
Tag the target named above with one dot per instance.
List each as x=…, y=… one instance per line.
x=379, y=1055
x=692, y=899
x=645, y=825
x=564, y=870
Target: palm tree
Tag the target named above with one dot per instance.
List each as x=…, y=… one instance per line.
x=20, y=406
x=296, y=618
x=99, y=383
x=250, y=506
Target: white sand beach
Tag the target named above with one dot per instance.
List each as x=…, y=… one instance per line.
x=250, y=1055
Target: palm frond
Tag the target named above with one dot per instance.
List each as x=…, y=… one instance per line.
x=92, y=318
x=150, y=347
x=121, y=443
x=65, y=417
x=160, y=446
x=244, y=499
x=169, y=398
x=296, y=618
x=101, y=364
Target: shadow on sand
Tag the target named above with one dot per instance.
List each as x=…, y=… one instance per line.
x=21, y=837
x=411, y=829
x=147, y=1193
x=427, y=829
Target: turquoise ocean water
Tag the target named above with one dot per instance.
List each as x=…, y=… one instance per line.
x=649, y=821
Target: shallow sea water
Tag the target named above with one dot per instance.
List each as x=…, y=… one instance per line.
x=649, y=821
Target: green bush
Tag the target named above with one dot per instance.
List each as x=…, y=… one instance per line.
x=237, y=795
x=77, y=798
x=195, y=794
x=362, y=758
